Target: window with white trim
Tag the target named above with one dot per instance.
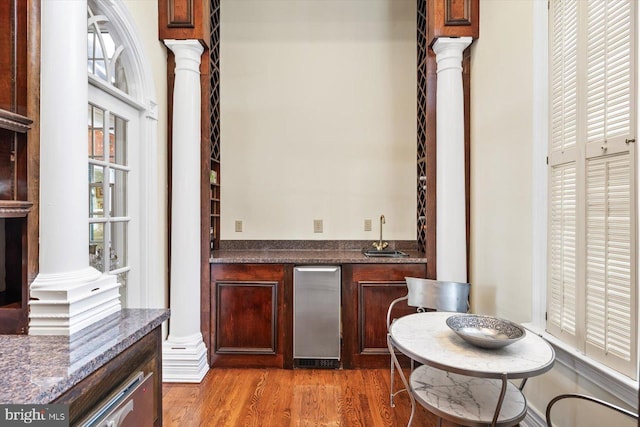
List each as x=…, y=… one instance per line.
x=592, y=290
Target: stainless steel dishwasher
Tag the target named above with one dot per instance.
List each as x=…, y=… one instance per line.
x=316, y=316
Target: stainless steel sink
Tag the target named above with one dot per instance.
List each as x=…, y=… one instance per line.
x=384, y=253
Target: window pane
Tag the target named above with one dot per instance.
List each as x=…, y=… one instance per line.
x=118, y=139
x=100, y=68
x=104, y=53
x=96, y=246
x=96, y=194
x=118, y=251
x=120, y=77
x=96, y=133
x=118, y=188
x=90, y=131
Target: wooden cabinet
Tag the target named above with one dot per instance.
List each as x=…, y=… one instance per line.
x=19, y=158
x=251, y=313
x=144, y=355
x=367, y=291
x=251, y=316
x=453, y=18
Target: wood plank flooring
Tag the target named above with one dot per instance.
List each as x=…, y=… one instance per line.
x=280, y=397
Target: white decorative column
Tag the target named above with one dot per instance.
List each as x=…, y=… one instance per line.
x=184, y=353
x=68, y=294
x=451, y=229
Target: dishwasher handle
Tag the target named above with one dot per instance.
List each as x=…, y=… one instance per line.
x=318, y=269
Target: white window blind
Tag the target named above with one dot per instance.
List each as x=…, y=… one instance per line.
x=561, y=312
x=592, y=285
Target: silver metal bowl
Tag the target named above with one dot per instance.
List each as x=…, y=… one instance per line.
x=485, y=331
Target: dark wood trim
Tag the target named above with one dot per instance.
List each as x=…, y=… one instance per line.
x=205, y=205
x=14, y=122
x=453, y=18
x=14, y=208
x=184, y=20
x=286, y=331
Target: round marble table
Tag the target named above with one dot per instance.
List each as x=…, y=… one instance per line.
x=426, y=338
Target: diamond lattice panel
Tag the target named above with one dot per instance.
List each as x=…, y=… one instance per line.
x=214, y=59
x=421, y=42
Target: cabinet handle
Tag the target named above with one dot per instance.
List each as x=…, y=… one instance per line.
x=318, y=269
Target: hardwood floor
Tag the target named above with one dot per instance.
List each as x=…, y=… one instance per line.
x=280, y=397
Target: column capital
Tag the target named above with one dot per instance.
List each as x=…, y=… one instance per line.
x=449, y=50
x=454, y=43
x=174, y=44
x=187, y=53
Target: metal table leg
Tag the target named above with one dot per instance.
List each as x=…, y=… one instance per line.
x=394, y=361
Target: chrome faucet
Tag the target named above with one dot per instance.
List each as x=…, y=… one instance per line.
x=380, y=245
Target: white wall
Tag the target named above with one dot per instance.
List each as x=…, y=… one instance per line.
x=144, y=14
x=501, y=146
x=318, y=118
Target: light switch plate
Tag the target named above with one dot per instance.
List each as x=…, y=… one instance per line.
x=238, y=226
x=367, y=225
x=317, y=226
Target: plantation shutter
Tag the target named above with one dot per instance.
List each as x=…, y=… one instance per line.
x=561, y=297
x=592, y=284
x=563, y=155
x=610, y=188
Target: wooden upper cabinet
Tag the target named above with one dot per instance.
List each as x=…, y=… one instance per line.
x=184, y=20
x=453, y=18
x=19, y=158
x=13, y=56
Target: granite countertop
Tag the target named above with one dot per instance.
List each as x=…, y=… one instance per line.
x=310, y=252
x=308, y=256
x=38, y=369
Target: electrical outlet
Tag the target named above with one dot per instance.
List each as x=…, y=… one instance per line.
x=367, y=225
x=238, y=226
x=317, y=226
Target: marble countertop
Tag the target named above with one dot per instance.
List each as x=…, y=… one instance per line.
x=38, y=369
x=425, y=337
x=309, y=256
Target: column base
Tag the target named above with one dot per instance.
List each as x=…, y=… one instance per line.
x=63, y=304
x=184, y=360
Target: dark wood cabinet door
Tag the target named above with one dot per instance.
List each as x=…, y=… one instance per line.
x=246, y=317
x=250, y=315
x=367, y=291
